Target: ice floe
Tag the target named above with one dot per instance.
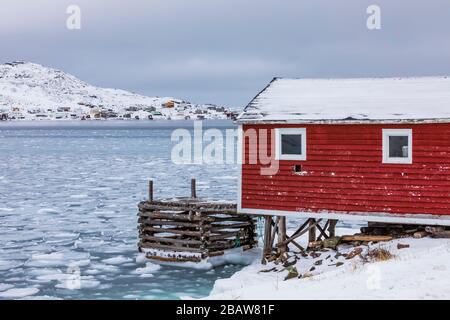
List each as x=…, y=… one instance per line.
x=9, y=264
x=117, y=260
x=148, y=269
x=59, y=259
x=18, y=293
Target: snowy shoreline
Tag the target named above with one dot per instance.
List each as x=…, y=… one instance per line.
x=108, y=124
x=419, y=271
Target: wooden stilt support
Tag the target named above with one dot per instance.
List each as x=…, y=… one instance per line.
x=312, y=230
x=267, y=250
x=323, y=231
x=306, y=227
x=332, y=228
x=282, y=235
x=274, y=231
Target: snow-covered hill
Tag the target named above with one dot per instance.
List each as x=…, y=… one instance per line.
x=30, y=91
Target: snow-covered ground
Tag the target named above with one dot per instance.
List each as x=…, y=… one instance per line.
x=420, y=271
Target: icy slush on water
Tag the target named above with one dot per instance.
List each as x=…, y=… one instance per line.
x=68, y=205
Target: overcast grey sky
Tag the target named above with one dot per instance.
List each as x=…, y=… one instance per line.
x=225, y=51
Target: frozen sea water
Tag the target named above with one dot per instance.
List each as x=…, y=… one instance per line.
x=68, y=204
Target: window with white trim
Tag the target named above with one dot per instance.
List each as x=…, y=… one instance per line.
x=397, y=146
x=290, y=144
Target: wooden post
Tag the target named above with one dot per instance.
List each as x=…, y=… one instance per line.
x=332, y=228
x=282, y=234
x=193, y=189
x=150, y=190
x=204, y=238
x=312, y=231
x=274, y=232
x=267, y=250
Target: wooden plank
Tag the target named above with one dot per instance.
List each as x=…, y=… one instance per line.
x=188, y=206
x=216, y=253
x=295, y=201
x=336, y=208
x=366, y=238
x=232, y=218
x=223, y=235
x=149, y=245
x=176, y=217
x=366, y=190
x=169, y=223
x=197, y=234
x=174, y=259
x=441, y=234
x=229, y=245
x=293, y=242
x=322, y=231
x=299, y=233
x=298, y=197
x=291, y=179
x=392, y=175
x=216, y=227
x=328, y=184
x=171, y=240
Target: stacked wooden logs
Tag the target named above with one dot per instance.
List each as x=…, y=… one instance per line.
x=404, y=231
x=192, y=230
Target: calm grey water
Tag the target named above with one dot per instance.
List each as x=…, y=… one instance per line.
x=68, y=197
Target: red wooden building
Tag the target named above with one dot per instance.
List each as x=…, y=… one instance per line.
x=348, y=149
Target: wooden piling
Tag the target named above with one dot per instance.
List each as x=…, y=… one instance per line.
x=312, y=230
x=267, y=250
x=193, y=189
x=332, y=228
x=282, y=234
x=150, y=190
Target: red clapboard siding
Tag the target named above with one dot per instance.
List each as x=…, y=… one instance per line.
x=344, y=172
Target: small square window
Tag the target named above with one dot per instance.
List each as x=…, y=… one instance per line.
x=397, y=146
x=290, y=144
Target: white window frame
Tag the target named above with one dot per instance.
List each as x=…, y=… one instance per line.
x=286, y=131
x=397, y=132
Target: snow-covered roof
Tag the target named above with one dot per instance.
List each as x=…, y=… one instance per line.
x=351, y=100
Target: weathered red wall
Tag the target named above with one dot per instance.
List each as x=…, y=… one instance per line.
x=345, y=173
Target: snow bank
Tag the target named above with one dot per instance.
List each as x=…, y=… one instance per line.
x=233, y=256
x=418, y=272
